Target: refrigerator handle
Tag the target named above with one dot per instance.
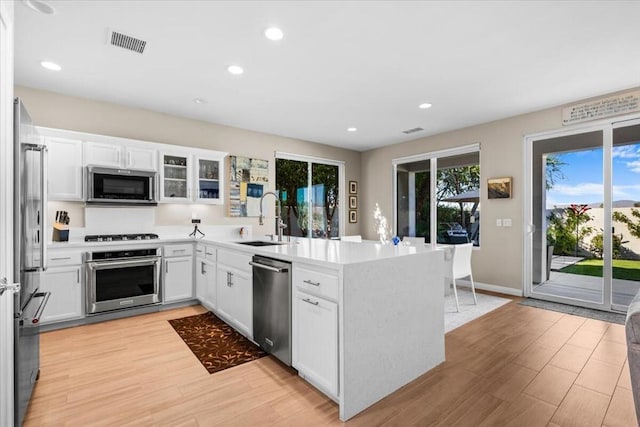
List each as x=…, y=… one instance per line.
x=44, y=199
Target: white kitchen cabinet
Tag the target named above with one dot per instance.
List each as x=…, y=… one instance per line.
x=65, y=169
x=234, y=284
x=208, y=179
x=65, y=285
x=176, y=180
x=315, y=341
x=191, y=178
x=177, y=278
x=120, y=156
x=206, y=282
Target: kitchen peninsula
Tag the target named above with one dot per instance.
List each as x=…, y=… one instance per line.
x=367, y=318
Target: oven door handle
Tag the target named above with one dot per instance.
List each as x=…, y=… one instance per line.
x=118, y=264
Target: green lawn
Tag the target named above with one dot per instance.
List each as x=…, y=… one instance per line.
x=622, y=268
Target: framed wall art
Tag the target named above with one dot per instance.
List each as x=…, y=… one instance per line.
x=248, y=180
x=353, y=202
x=353, y=187
x=353, y=217
x=499, y=188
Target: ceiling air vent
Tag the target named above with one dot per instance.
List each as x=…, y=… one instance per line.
x=126, y=42
x=414, y=130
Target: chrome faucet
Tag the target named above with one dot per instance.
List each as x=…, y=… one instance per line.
x=280, y=225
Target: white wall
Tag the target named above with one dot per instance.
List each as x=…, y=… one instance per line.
x=83, y=115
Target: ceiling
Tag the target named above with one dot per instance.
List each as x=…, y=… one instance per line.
x=363, y=64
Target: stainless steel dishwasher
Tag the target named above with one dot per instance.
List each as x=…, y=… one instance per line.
x=272, y=306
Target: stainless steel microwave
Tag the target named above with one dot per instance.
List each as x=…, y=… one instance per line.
x=111, y=186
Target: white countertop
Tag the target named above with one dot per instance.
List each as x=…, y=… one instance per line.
x=317, y=251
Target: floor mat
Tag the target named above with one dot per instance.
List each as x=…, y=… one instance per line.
x=578, y=311
x=217, y=345
x=468, y=310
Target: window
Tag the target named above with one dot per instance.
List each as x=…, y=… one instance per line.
x=310, y=195
x=438, y=194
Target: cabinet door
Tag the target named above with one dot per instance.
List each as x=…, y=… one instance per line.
x=178, y=278
x=141, y=159
x=315, y=341
x=103, y=154
x=65, y=169
x=175, y=177
x=234, y=298
x=208, y=180
x=65, y=285
x=206, y=283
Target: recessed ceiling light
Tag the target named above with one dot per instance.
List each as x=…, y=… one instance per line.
x=352, y=129
x=200, y=101
x=39, y=6
x=274, y=33
x=51, y=66
x=424, y=106
x=235, y=69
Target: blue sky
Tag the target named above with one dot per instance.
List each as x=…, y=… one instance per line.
x=583, y=181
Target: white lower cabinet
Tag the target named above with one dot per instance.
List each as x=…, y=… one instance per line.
x=206, y=282
x=315, y=341
x=177, y=278
x=234, y=284
x=65, y=285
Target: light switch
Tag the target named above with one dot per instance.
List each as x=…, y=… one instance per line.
x=498, y=222
x=506, y=222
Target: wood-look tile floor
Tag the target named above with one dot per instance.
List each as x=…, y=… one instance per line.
x=518, y=366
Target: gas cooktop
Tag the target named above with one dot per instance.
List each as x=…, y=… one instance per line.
x=119, y=237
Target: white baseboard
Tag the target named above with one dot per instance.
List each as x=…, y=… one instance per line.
x=492, y=288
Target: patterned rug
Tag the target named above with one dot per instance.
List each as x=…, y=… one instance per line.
x=216, y=345
x=577, y=311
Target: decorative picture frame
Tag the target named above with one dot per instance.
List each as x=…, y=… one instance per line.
x=499, y=188
x=353, y=217
x=353, y=202
x=353, y=187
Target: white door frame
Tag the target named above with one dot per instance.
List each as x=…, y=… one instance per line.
x=606, y=126
x=6, y=210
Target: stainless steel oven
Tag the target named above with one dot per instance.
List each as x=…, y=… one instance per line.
x=122, y=279
x=120, y=186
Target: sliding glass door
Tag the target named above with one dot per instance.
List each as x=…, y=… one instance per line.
x=309, y=192
x=437, y=196
x=583, y=208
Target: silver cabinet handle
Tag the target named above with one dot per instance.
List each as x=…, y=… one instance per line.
x=175, y=251
x=202, y=268
x=129, y=159
x=310, y=302
x=78, y=276
x=209, y=253
x=166, y=268
x=60, y=258
x=312, y=283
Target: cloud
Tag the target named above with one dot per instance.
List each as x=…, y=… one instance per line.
x=594, y=189
x=634, y=166
x=626, y=152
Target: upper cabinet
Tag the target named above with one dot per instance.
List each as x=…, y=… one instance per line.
x=191, y=178
x=120, y=156
x=65, y=168
x=185, y=174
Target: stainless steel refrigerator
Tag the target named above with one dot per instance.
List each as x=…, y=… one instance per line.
x=30, y=253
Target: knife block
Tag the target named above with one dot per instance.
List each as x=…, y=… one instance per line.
x=60, y=232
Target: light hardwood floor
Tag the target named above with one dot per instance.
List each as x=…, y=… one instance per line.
x=518, y=366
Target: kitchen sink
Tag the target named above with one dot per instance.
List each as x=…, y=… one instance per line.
x=261, y=243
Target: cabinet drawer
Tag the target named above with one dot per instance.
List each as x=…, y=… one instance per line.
x=64, y=257
x=178, y=250
x=205, y=251
x=234, y=259
x=316, y=280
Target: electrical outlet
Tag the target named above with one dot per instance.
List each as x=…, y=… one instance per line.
x=507, y=222
x=498, y=222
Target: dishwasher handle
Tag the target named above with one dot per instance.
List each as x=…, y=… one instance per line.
x=268, y=267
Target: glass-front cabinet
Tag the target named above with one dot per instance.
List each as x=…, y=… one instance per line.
x=208, y=180
x=192, y=178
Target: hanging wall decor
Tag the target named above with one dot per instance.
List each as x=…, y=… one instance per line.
x=248, y=180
